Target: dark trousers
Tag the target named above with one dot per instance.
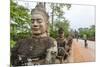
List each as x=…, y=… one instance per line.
x=86, y=45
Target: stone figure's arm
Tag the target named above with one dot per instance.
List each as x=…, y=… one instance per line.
x=54, y=48
x=66, y=44
x=51, y=54
x=68, y=47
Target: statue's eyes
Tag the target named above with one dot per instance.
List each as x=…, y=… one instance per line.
x=39, y=20
x=36, y=20
x=33, y=20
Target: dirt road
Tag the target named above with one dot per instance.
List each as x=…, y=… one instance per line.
x=82, y=54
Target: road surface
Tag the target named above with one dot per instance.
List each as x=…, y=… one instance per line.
x=81, y=54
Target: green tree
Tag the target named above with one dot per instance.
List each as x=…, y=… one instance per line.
x=90, y=32
x=58, y=19
x=19, y=22
x=57, y=11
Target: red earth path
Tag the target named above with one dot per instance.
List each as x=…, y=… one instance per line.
x=81, y=54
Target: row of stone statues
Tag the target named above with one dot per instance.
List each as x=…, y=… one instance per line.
x=40, y=48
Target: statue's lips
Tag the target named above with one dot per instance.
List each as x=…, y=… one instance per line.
x=35, y=29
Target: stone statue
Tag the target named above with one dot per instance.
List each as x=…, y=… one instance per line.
x=62, y=46
x=38, y=49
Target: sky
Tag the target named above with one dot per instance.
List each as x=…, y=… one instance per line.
x=80, y=16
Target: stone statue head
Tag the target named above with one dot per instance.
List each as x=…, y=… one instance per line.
x=61, y=32
x=39, y=20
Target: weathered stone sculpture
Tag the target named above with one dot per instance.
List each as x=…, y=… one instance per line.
x=38, y=49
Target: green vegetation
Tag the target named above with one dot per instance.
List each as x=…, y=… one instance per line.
x=19, y=22
x=90, y=32
x=58, y=19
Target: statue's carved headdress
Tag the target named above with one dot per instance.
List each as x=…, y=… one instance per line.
x=39, y=9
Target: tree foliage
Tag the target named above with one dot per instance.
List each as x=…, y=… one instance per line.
x=90, y=32
x=19, y=22
x=58, y=19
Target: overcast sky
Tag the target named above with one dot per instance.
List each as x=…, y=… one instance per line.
x=81, y=16
x=78, y=15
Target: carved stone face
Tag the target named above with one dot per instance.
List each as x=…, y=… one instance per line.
x=39, y=24
x=61, y=35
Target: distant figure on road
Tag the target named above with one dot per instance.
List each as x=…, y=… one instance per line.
x=85, y=40
x=76, y=35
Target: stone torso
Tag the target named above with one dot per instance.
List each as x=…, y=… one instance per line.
x=61, y=42
x=33, y=48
